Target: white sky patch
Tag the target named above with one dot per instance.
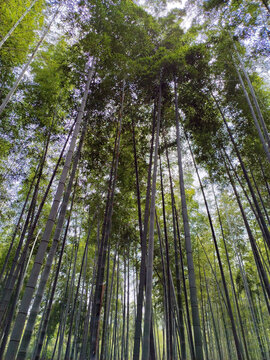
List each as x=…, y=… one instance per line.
x=171, y=5
x=180, y=5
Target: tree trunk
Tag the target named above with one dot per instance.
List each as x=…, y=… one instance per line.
x=231, y=279
x=165, y=290
x=189, y=330
x=70, y=290
x=170, y=335
x=149, y=268
x=16, y=265
x=49, y=307
x=17, y=23
x=213, y=320
x=26, y=66
x=138, y=321
x=266, y=231
x=11, y=279
x=46, y=272
x=95, y=317
x=251, y=89
x=191, y=273
x=15, y=232
x=177, y=270
x=264, y=278
x=29, y=290
x=229, y=307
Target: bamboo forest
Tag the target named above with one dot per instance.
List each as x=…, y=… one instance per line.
x=135, y=179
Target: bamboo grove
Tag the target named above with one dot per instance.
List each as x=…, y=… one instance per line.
x=134, y=168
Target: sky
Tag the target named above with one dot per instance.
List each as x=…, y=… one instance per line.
x=180, y=4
